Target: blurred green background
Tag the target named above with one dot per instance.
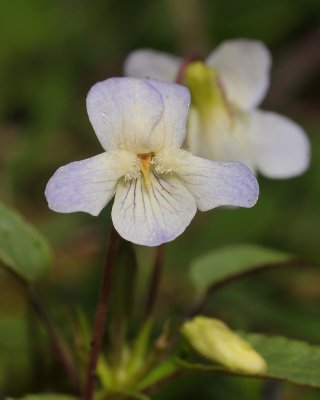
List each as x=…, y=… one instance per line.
x=51, y=52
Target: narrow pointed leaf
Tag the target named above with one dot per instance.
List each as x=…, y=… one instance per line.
x=161, y=372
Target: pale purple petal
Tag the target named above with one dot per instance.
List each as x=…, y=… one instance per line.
x=85, y=185
x=123, y=113
x=216, y=184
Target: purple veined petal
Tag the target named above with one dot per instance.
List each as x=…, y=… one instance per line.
x=280, y=146
x=154, y=215
x=244, y=70
x=151, y=64
x=123, y=113
x=215, y=184
x=85, y=185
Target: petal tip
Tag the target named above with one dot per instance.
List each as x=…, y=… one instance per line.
x=252, y=192
x=281, y=146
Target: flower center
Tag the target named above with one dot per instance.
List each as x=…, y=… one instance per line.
x=145, y=164
x=135, y=165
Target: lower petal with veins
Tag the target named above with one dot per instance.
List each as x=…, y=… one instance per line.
x=152, y=215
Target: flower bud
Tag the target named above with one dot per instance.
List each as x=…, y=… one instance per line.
x=215, y=341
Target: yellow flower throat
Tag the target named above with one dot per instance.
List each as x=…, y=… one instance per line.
x=145, y=164
x=206, y=90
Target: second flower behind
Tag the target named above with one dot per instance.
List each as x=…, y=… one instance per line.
x=225, y=123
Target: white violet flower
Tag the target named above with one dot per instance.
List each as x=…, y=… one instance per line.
x=141, y=124
x=224, y=122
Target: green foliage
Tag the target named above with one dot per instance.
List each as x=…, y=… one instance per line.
x=160, y=372
x=230, y=262
x=140, y=348
x=127, y=364
x=289, y=360
x=46, y=396
x=130, y=394
x=22, y=248
x=14, y=352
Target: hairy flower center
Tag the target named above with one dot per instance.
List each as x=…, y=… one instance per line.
x=145, y=164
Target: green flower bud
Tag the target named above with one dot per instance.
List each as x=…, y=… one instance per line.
x=215, y=341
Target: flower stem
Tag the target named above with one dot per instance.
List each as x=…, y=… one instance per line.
x=154, y=282
x=101, y=315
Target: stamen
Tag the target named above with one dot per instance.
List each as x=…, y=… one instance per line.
x=145, y=162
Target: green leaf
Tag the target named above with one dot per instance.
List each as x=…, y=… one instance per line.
x=289, y=360
x=45, y=396
x=229, y=262
x=22, y=248
x=160, y=372
x=132, y=394
x=139, y=348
